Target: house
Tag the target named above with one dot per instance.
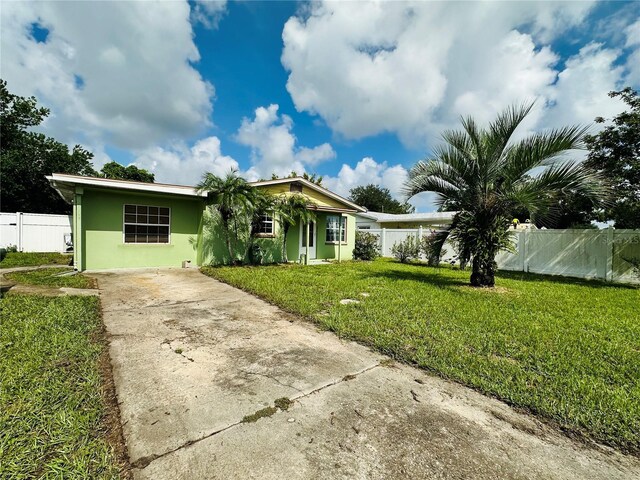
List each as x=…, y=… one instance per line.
x=378, y=220
x=125, y=224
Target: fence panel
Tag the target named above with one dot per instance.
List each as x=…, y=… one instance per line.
x=575, y=253
x=35, y=232
x=626, y=245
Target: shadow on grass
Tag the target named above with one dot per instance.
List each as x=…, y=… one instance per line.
x=559, y=279
x=428, y=275
x=441, y=277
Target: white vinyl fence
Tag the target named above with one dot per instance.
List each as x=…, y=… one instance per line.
x=574, y=253
x=35, y=232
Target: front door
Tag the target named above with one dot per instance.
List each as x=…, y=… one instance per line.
x=312, y=239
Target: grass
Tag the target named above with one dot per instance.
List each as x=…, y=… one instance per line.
x=51, y=408
x=50, y=277
x=567, y=350
x=34, y=259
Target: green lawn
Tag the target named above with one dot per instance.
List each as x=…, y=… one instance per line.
x=50, y=277
x=51, y=409
x=567, y=350
x=33, y=259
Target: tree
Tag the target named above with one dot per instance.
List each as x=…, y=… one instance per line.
x=118, y=172
x=485, y=176
x=234, y=199
x=313, y=177
x=615, y=153
x=290, y=210
x=26, y=157
x=378, y=199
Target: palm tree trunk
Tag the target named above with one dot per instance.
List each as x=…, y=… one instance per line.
x=483, y=271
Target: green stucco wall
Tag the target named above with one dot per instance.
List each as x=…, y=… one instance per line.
x=101, y=241
x=212, y=248
x=196, y=234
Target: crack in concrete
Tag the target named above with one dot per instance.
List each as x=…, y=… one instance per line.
x=272, y=378
x=144, y=462
x=345, y=378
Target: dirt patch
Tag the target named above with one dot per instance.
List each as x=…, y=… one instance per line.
x=112, y=428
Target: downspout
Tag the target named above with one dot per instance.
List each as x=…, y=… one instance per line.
x=77, y=234
x=340, y=239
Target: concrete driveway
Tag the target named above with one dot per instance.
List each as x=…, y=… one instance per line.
x=192, y=357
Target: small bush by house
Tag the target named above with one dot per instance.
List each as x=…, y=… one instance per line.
x=366, y=247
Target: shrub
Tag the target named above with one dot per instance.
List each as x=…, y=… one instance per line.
x=366, y=246
x=428, y=248
x=406, y=250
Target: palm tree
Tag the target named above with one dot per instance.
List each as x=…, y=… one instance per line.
x=484, y=175
x=290, y=210
x=233, y=198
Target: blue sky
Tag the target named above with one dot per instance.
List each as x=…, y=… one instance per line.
x=354, y=91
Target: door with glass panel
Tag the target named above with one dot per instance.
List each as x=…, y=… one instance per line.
x=312, y=239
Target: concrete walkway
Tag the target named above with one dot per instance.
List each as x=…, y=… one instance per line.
x=193, y=357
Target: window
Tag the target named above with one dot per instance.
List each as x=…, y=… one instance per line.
x=145, y=224
x=333, y=227
x=295, y=187
x=265, y=225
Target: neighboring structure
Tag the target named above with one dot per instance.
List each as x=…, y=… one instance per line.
x=377, y=220
x=124, y=224
x=35, y=232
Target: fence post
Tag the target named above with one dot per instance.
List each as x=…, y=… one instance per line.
x=608, y=273
x=19, y=231
x=383, y=241
x=525, y=249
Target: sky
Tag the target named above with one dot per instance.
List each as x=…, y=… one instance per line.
x=354, y=91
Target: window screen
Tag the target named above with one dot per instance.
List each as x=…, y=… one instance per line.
x=146, y=224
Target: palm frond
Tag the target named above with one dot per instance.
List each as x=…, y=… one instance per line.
x=432, y=176
x=541, y=149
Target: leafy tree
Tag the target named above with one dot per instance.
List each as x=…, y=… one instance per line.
x=234, y=199
x=292, y=209
x=119, y=172
x=26, y=157
x=378, y=199
x=313, y=177
x=615, y=153
x=485, y=176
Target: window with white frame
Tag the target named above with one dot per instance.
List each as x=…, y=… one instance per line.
x=333, y=229
x=146, y=224
x=265, y=225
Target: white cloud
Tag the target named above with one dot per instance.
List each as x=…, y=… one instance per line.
x=185, y=166
x=580, y=93
x=274, y=147
x=632, y=33
x=412, y=68
x=117, y=73
x=367, y=171
x=208, y=12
